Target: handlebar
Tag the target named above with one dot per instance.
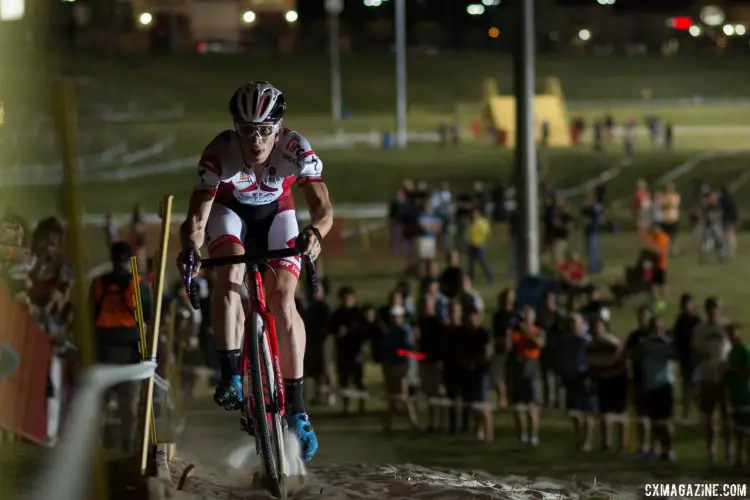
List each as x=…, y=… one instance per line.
x=247, y=259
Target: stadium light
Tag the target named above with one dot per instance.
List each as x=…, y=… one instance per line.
x=475, y=9
x=291, y=16
x=740, y=30
x=12, y=10
x=145, y=19
x=605, y=2
x=712, y=15
x=728, y=30
x=490, y=3
x=584, y=35
x=248, y=17
x=373, y=3
x=694, y=31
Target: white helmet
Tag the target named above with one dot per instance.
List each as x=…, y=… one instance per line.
x=257, y=102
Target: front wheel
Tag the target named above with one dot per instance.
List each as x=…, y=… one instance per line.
x=268, y=431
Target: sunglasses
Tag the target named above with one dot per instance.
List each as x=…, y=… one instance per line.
x=256, y=130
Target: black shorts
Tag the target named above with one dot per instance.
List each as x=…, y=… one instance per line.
x=524, y=390
x=578, y=397
x=659, y=277
x=475, y=385
x=659, y=403
x=612, y=393
x=670, y=228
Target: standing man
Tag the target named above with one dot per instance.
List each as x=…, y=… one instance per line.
x=116, y=330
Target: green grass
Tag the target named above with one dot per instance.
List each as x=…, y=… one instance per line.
x=368, y=79
x=371, y=175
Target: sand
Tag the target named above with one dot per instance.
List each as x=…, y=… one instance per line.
x=368, y=481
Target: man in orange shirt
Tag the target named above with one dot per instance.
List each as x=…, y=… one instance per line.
x=657, y=243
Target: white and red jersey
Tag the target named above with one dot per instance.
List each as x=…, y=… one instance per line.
x=223, y=170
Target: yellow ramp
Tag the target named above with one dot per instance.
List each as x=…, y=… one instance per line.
x=500, y=111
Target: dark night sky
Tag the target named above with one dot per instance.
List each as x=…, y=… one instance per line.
x=442, y=11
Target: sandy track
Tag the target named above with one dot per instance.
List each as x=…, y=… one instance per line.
x=368, y=481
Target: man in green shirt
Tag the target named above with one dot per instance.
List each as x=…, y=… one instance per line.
x=737, y=382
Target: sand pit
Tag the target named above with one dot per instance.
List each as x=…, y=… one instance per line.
x=368, y=481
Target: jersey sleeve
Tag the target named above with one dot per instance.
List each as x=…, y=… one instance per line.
x=309, y=165
x=210, y=172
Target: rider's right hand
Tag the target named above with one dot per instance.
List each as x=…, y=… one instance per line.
x=182, y=261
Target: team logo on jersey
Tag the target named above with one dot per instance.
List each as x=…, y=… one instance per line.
x=244, y=176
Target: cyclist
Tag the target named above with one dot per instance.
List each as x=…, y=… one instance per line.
x=242, y=195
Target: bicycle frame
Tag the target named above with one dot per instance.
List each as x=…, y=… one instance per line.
x=258, y=304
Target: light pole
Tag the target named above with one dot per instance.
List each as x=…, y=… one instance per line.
x=526, y=162
x=401, y=130
x=334, y=9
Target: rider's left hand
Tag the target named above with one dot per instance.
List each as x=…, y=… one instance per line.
x=309, y=243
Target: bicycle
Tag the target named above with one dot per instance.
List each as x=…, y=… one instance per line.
x=263, y=407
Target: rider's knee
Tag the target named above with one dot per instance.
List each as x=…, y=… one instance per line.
x=281, y=302
x=229, y=278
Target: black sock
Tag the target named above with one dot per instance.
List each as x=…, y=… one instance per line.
x=230, y=363
x=295, y=395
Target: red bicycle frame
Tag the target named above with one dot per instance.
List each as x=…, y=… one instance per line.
x=257, y=302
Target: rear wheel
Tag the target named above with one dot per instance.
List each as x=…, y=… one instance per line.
x=270, y=441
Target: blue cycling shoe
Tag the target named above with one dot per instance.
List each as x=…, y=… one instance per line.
x=308, y=441
x=228, y=394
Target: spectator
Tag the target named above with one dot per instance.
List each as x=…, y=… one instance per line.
x=729, y=220
x=430, y=226
x=632, y=351
x=452, y=276
x=712, y=348
x=503, y=322
x=206, y=339
x=421, y=194
x=580, y=399
x=670, y=213
x=657, y=244
x=317, y=358
x=48, y=298
x=465, y=204
x=404, y=288
x=347, y=324
x=683, y=333
x=471, y=299
x=608, y=372
x=477, y=234
x=499, y=211
x=640, y=206
x=398, y=341
x=525, y=344
x=117, y=333
x=561, y=226
x=442, y=203
x=475, y=352
x=452, y=369
x=16, y=261
x=713, y=238
x=552, y=320
x=737, y=381
x=441, y=303
x=480, y=198
x=431, y=333
x=409, y=190
x=137, y=236
x=375, y=331
x=656, y=203
x=657, y=353
x=398, y=213
x=594, y=212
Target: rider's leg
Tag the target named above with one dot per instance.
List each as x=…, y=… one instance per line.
x=281, y=284
x=226, y=314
